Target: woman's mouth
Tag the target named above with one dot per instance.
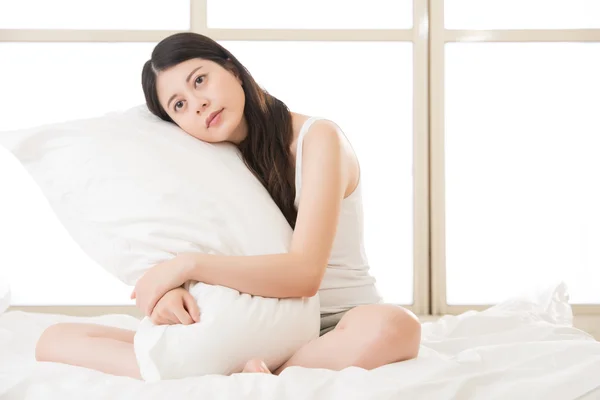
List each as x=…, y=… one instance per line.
x=213, y=119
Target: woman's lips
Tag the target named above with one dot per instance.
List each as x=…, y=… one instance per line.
x=213, y=119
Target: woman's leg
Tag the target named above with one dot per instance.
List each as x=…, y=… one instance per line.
x=98, y=347
x=367, y=336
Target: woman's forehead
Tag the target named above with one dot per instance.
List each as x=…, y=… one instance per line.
x=184, y=68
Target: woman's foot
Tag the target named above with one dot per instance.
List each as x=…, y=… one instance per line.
x=255, y=366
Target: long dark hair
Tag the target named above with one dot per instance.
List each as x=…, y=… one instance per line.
x=266, y=148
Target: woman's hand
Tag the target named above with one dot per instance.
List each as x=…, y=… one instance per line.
x=177, y=306
x=161, y=278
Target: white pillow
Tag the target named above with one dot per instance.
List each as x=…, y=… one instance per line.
x=133, y=190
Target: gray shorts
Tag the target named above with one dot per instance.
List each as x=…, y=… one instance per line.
x=330, y=321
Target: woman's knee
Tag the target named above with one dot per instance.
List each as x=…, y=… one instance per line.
x=48, y=341
x=400, y=330
x=392, y=331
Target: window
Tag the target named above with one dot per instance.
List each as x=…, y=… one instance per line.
x=53, y=82
x=475, y=123
x=522, y=14
x=106, y=14
x=311, y=14
x=521, y=156
x=365, y=86
x=514, y=137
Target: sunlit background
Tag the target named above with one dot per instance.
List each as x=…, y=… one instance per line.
x=521, y=137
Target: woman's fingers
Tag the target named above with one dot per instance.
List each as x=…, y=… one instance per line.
x=163, y=316
x=179, y=308
x=183, y=316
x=191, y=306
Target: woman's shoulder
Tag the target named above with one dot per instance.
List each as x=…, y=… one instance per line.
x=298, y=121
x=322, y=134
x=325, y=140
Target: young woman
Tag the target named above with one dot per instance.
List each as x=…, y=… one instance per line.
x=311, y=172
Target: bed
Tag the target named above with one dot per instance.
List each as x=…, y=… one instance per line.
x=522, y=348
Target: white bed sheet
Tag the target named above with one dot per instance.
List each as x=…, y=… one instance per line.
x=523, y=348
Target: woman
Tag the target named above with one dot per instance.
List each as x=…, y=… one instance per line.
x=311, y=172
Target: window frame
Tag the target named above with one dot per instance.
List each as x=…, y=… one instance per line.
x=428, y=36
x=439, y=37
x=418, y=35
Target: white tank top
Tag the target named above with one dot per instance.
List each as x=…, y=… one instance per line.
x=347, y=282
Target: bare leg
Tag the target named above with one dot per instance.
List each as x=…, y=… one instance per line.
x=367, y=336
x=98, y=347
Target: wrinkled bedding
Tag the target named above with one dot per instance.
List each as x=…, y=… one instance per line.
x=522, y=348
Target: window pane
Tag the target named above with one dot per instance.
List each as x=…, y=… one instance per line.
x=41, y=261
x=522, y=169
x=105, y=14
x=52, y=82
x=522, y=14
x=309, y=14
x=373, y=105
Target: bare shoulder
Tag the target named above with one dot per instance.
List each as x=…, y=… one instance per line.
x=326, y=140
x=323, y=135
x=324, y=132
x=321, y=130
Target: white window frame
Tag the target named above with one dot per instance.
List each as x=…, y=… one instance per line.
x=587, y=316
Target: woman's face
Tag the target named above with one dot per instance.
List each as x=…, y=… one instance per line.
x=204, y=99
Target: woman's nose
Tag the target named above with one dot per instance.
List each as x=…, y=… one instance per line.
x=201, y=105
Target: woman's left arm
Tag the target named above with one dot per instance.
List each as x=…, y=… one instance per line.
x=297, y=273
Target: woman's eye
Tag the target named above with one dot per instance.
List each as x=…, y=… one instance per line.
x=178, y=105
x=199, y=79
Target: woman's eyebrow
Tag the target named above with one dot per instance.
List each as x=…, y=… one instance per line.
x=186, y=80
x=192, y=73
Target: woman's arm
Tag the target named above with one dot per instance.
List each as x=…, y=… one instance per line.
x=299, y=272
